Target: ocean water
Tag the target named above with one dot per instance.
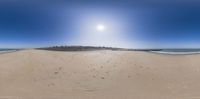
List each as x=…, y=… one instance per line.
x=7, y=50
x=178, y=51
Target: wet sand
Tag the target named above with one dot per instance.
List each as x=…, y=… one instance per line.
x=39, y=74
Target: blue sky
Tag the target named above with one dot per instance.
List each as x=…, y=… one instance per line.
x=128, y=23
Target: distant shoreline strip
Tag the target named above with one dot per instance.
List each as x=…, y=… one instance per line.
x=175, y=53
x=7, y=51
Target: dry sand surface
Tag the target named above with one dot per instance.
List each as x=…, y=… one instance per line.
x=39, y=74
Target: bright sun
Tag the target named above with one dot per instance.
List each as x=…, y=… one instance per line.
x=100, y=27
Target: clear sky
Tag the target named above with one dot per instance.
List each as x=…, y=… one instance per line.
x=115, y=23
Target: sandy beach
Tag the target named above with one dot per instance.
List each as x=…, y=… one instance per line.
x=40, y=74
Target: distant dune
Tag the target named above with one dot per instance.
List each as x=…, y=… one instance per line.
x=102, y=74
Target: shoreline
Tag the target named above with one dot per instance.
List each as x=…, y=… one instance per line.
x=9, y=51
x=148, y=51
x=153, y=52
x=174, y=53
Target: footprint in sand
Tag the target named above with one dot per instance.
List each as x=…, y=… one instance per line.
x=107, y=61
x=137, y=74
x=141, y=67
x=101, y=67
x=94, y=76
x=93, y=69
x=107, y=72
x=114, y=65
x=60, y=68
x=51, y=84
x=56, y=72
x=148, y=68
x=102, y=77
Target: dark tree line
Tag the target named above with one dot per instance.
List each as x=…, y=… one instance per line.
x=91, y=48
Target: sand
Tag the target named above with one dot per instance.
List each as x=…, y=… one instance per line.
x=39, y=74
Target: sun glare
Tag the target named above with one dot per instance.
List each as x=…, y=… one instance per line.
x=100, y=27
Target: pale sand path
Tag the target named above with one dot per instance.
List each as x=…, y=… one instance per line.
x=37, y=74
